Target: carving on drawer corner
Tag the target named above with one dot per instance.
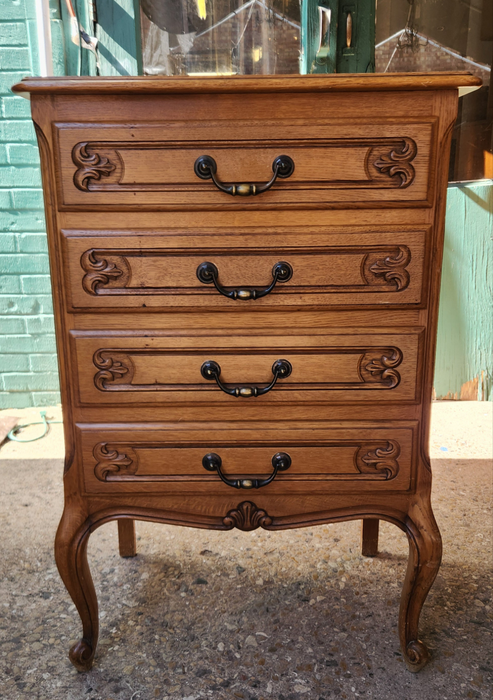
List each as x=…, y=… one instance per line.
x=374, y=367
x=104, y=166
x=380, y=460
x=381, y=268
x=383, y=368
x=349, y=461
x=247, y=517
x=392, y=268
x=397, y=162
x=112, y=461
x=102, y=271
x=92, y=166
x=111, y=368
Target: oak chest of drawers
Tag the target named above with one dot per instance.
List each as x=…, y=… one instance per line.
x=245, y=278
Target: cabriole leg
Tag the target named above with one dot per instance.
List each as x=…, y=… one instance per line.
x=425, y=553
x=71, y=559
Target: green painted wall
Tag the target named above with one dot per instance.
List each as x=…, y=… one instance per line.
x=28, y=367
x=464, y=359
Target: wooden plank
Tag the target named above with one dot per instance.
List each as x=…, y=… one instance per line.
x=250, y=84
x=464, y=361
x=118, y=34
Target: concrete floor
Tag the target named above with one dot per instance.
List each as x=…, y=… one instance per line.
x=273, y=616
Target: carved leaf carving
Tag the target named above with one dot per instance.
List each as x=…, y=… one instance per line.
x=398, y=162
x=380, y=460
x=392, y=268
x=111, y=461
x=99, y=271
x=247, y=517
x=384, y=366
x=110, y=369
x=91, y=166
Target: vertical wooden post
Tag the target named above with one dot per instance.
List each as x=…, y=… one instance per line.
x=126, y=537
x=369, y=537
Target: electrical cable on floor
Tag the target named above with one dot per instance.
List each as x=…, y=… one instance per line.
x=44, y=422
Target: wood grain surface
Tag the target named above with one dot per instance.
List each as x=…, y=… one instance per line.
x=360, y=221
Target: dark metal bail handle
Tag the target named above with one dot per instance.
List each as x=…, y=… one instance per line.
x=208, y=273
x=205, y=167
x=211, y=370
x=213, y=463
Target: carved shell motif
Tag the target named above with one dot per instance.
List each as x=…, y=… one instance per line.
x=247, y=517
x=398, y=162
x=91, y=166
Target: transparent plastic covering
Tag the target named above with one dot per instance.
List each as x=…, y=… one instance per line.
x=220, y=37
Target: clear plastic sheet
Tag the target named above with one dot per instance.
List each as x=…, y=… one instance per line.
x=221, y=37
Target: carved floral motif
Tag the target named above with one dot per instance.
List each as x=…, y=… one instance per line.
x=109, y=367
x=381, y=460
x=100, y=271
x=398, y=162
x=111, y=461
x=384, y=366
x=392, y=268
x=247, y=517
x=91, y=166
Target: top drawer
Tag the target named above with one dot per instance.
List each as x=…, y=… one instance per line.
x=349, y=163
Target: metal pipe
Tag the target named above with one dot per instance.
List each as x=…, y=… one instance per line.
x=44, y=38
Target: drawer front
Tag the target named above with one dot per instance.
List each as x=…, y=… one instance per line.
x=111, y=269
x=161, y=369
x=171, y=458
x=352, y=162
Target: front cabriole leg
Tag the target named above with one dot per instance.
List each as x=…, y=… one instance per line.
x=425, y=553
x=71, y=559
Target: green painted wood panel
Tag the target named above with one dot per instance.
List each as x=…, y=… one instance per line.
x=335, y=56
x=464, y=358
x=78, y=60
x=118, y=34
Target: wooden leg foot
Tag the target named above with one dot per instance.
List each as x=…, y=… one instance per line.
x=81, y=654
x=369, y=537
x=71, y=558
x=425, y=553
x=126, y=538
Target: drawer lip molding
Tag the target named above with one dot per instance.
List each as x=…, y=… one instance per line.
x=150, y=368
x=338, y=456
x=375, y=461
x=388, y=163
x=147, y=165
x=104, y=267
x=124, y=269
x=376, y=368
